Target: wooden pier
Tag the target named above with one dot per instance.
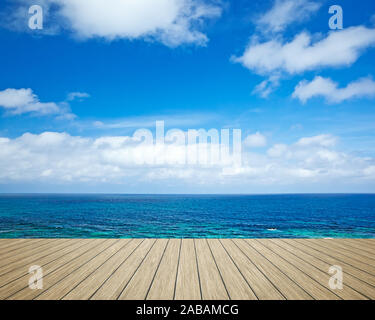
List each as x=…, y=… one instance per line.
x=166, y=269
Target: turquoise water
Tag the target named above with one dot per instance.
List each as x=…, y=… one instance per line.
x=187, y=216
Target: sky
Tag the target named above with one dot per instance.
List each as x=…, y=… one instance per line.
x=73, y=94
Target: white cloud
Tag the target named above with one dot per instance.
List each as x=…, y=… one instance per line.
x=266, y=87
x=255, y=140
x=325, y=87
x=339, y=49
x=176, y=120
x=305, y=149
x=172, y=22
x=20, y=101
x=316, y=158
x=77, y=95
x=277, y=150
x=323, y=140
x=13, y=98
x=285, y=12
x=59, y=158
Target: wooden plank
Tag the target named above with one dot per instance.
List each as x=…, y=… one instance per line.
x=38, y=253
x=289, y=289
x=187, y=269
x=369, y=242
x=235, y=283
x=332, y=260
x=212, y=285
x=357, y=254
x=17, y=273
x=262, y=287
x=63, y=287
x=187, y=284
x=56, y=274
x=115, y=284
x=91, y=284
x=18, y=288
x=343, y=257
x=163, y=286
x=319, y=276
x=353, y=244
x=8, y=242
x=356, y=284
x=22, y=252
x=315, y=289
x=14, y=245
x=140, y=283
x=4, y=243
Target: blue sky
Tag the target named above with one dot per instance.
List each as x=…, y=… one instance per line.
x=197, y=64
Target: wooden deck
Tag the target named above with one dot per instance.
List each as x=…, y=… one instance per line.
x=195, y=269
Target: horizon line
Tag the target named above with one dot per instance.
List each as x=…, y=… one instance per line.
x=187, y=194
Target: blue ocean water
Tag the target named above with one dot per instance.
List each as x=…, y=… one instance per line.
x=187, y=216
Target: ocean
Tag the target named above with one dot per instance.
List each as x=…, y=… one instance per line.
x=188, y=216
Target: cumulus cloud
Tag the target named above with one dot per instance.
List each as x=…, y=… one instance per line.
x=277, y=150
x=323, y=140
x=25, y=101
x=20, y=101
x=57, y=158
x=308, y=152
x=286, y=12
x=255, y=140
x=172, y=22
x=64, y=157
x=328, y=89
x=339, y=49
x=317, y=158
x=278, y=58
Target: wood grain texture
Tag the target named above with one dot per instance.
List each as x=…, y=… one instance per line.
x=163, y=286
x=141, y=282
x=356, y=245
x=188, y=269
x=289, y=289
x=321, y=277
x=117, y=282
x=212, y=285
x=263, y=288
x=16, y=281
x=235, y=283
x=188, y=283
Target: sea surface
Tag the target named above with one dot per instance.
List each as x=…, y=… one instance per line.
x=187, y=216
